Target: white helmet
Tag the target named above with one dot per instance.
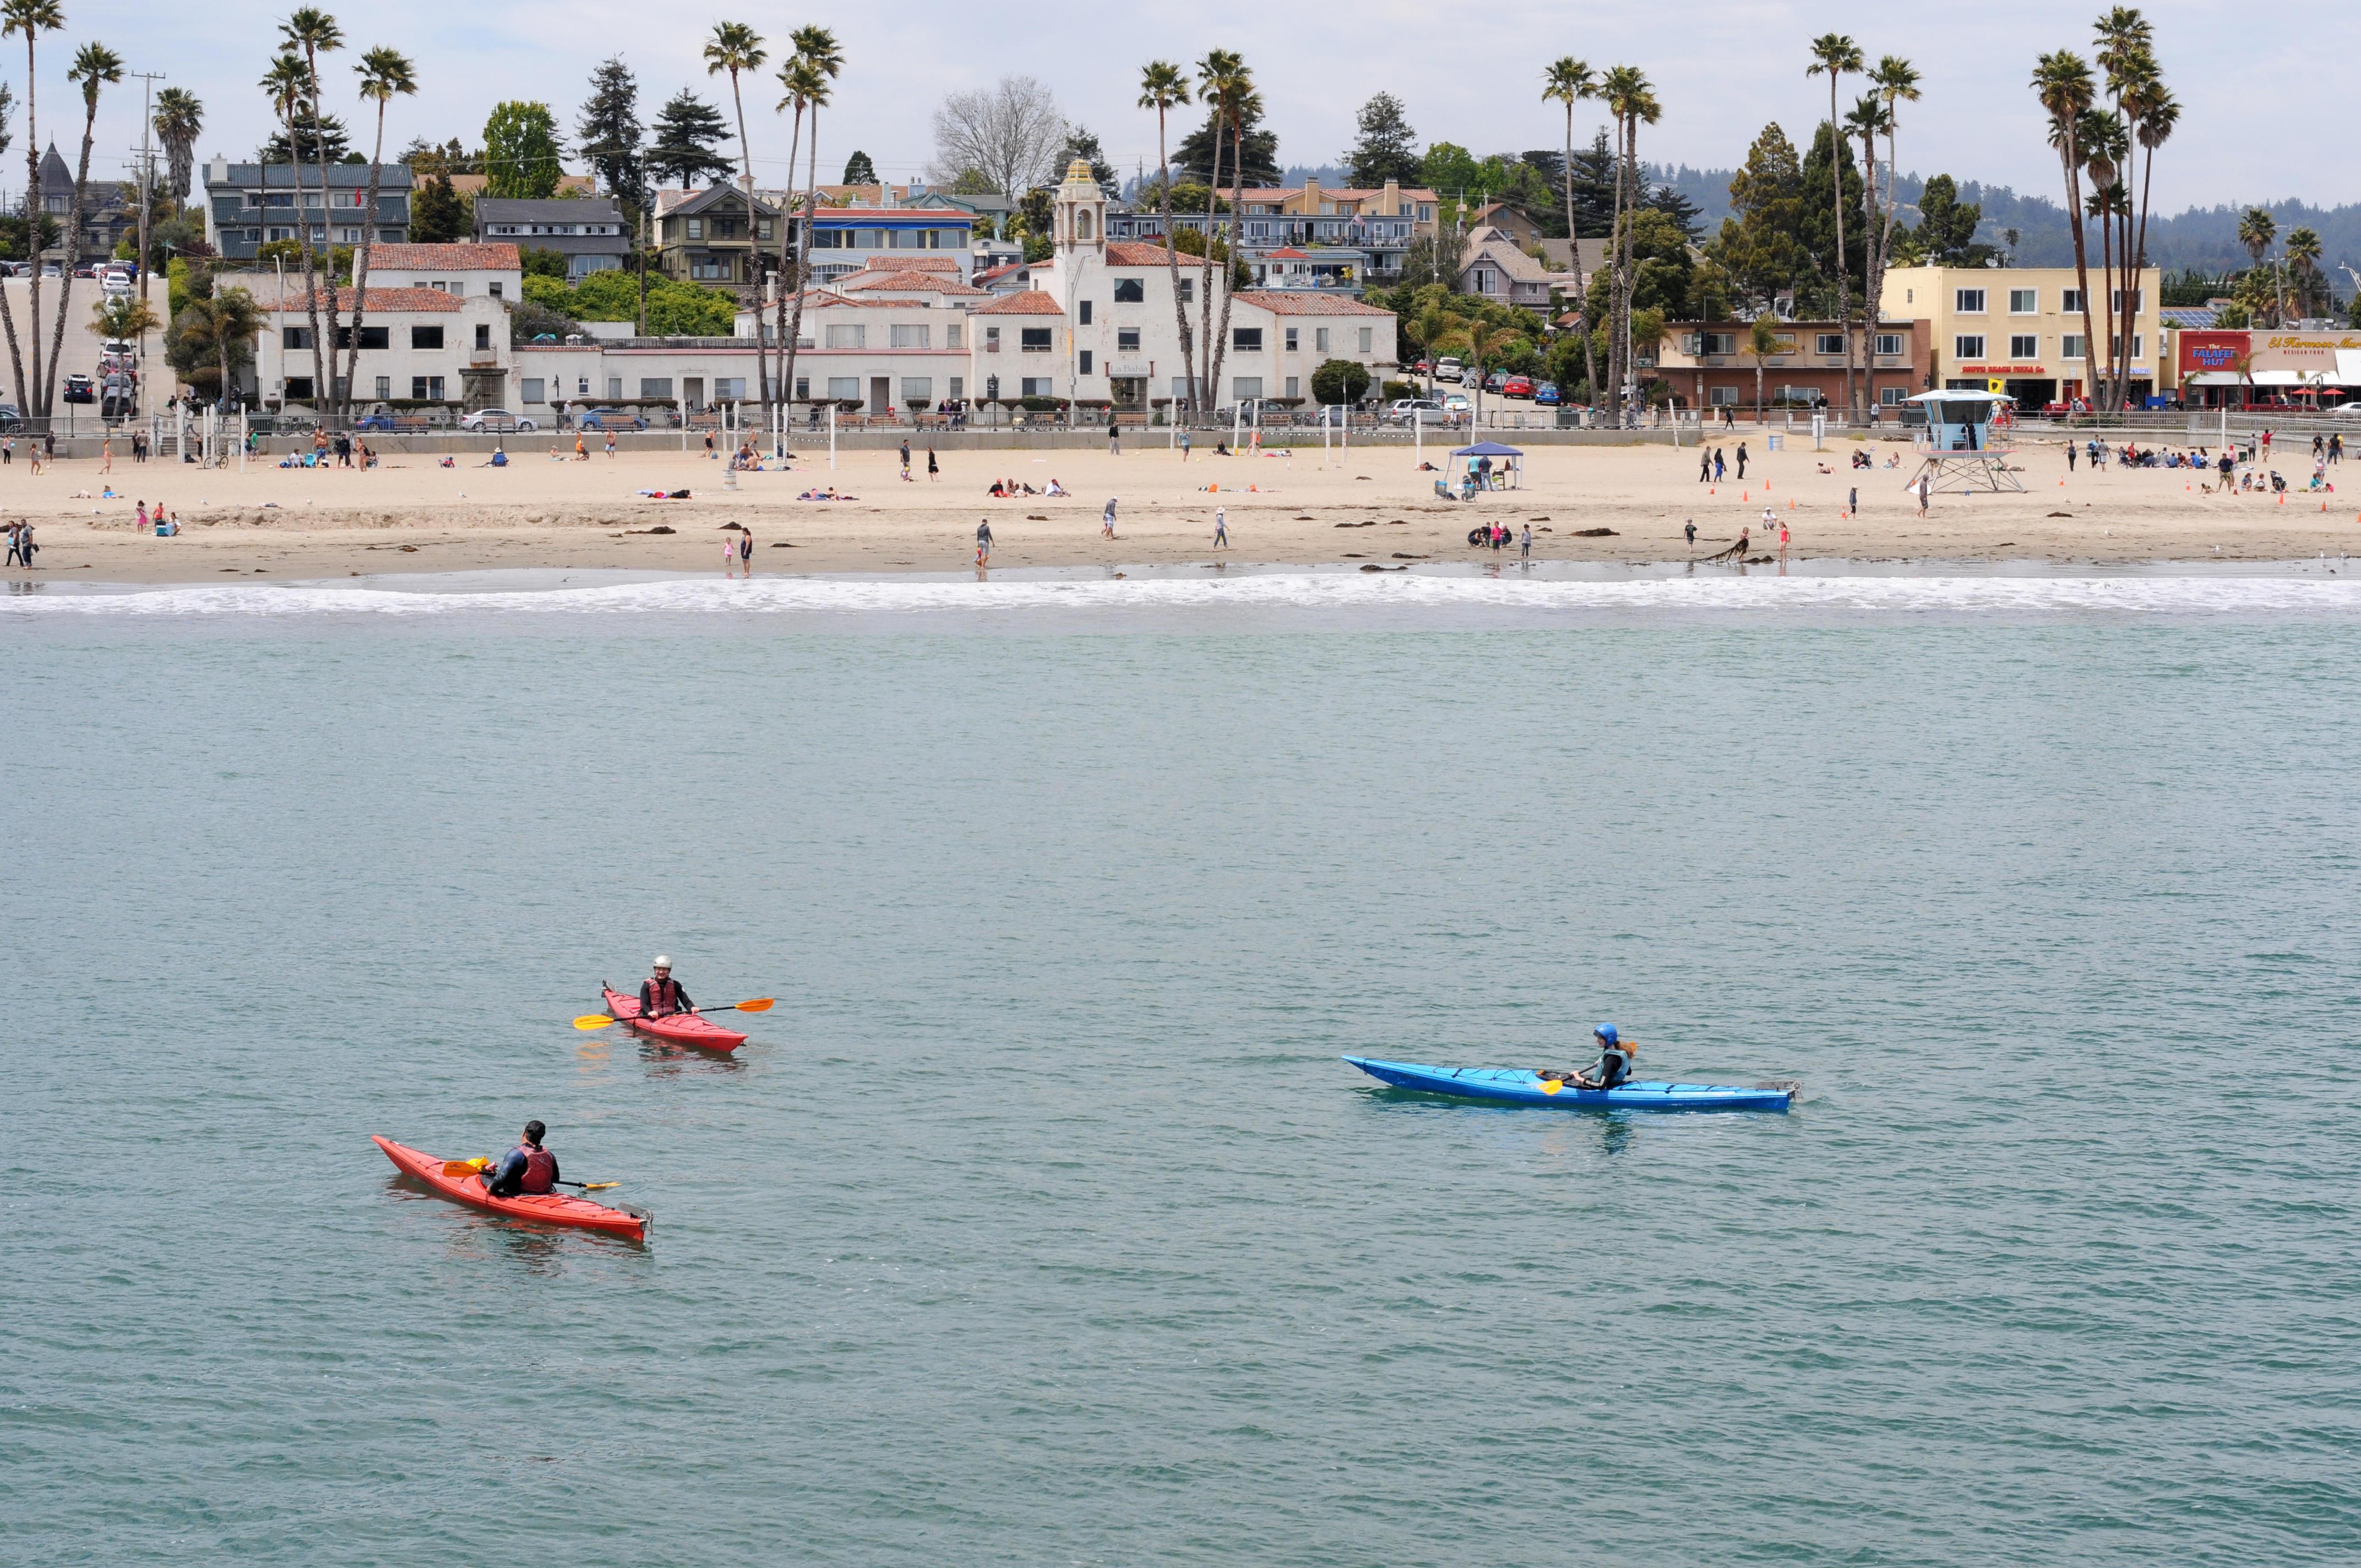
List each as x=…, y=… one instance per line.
x=663, y=962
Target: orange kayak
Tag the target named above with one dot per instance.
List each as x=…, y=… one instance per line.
x=543, y=1209
x=680, y=1028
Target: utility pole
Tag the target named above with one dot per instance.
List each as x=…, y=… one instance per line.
x=147, y=182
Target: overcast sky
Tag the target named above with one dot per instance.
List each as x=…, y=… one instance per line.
x=1722, y=68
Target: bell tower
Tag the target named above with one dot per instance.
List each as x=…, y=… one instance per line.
x=1080, y=210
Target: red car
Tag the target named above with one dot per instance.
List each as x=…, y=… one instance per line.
x=1517, y=387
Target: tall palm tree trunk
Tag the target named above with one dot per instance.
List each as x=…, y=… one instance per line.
x=786, y=221
x=1172, y=264
x=73, y=248
x=1611, y=395
x=360, y=269
x=802, y=263
x=324, y=345
x=2107, y=297
x=1574, y=249
x=26, y=394
x=1627, y=265
x=1844, y=277
x=1237, y=175
x=1202, y=399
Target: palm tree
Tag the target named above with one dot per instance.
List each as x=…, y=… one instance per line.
x=794, y=76
x=1218, y=75
x=1565, y=82
x=127, y=318
x=1245, y=104
x=94, y=65
x=1896, y=82
x=1868, y=121
x=179, y=119
x=2123, y=38
x=2302, y=254
x=228, y=321
x=285, y=82
x=1762, y=341
x=1833, y=54
x=2061, y=80
x=2160, y=115
x=1164, y=87
x=32, y=18
x=1631, y=99
x=1480, y=345
x=314, y=33
x=823, y=60
x=735, y=48
x=385, y=75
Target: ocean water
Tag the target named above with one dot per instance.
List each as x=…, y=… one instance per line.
x=1040, y=1222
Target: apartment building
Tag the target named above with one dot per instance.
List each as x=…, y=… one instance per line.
x=247, y=205
x=2018, y=330
x=1710, y=364
x=496, y=271
x=588, y=231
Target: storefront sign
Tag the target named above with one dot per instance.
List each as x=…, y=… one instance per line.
x=2310, y=354
x=2002, y=370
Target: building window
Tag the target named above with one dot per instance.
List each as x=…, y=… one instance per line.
x=530, y=389
x=1130, y=292
x=2025, y=345
x=1126, y=340
x=1084, y=368
x=1319, y=340
x=1829, y=342
x=710, y=268
x=1720, y=396
x=2071, y=346
x=1086, y=317
x=697, y=228
x=728, y=389
x=918, y=389
x=2139, y=296
x=1036, y=386
x=426, y=338
x=2139, y=345
x=1291, y=344
x=992, y=340
x=582, y=386
x=1893, y=397
x=1188, y=291
x=614, y=387
x=496, y=291
x=427, y=389
x=483, y=335
x=1968, y=302
x=384, y=387
x=1966, y=347
x=952, y=339
x=1889, y=345
x=655, y=387
x=959, y=387
x=1369, y=337
x=1033, y=339
x=909, y=336
x=2070, y=302
x=1246, y=340
x=1245, y=386
x=295, y=337
x=762, y=228
x=854, y=336
x=803, y=388
x=844, y=388
x=2024, y=301
x=1293, y=385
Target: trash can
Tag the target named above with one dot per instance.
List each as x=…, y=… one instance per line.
x=1774, y=442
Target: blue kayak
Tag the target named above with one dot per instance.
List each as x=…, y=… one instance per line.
x=1517, y=1086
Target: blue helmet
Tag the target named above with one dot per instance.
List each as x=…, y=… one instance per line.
x=1606, y=1033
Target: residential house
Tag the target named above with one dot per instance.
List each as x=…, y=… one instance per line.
x=106, y=217
x=247, y=205
x=1381, y=221
x=425, y=345
x=990, y=210
x=493, y=270
x=1519, y=226
x=473, y=186
x=719, y=236
x=590, y=231
x=1496, y=267
x=845, y=240
x=1709, y=365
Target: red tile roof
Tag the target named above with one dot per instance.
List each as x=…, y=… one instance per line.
x=1031, y=302
x=375, y=300
x=494, y=257
x=908, y=282
x=1132, y=253
x=1307, y=303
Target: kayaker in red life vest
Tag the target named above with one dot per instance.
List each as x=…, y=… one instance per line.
x=661, y=995
x=526, y=1168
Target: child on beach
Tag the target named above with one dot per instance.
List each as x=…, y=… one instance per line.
x=1106, y=523
x=1221, y=528
x=983, y=540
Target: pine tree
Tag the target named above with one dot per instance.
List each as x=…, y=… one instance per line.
x=437, y=215
x=1388, y=149
x=686, y=141
x=1675, y=207
x=609, y=133
x=1082, y=144
x=858, y=169
x=1819, y=227
x=1594, y=187
x=1193, y=159
x=332, y=133
x=1759, y=247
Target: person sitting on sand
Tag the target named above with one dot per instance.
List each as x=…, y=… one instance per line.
x=1056, y=488
x=449, y=461
x=997, y=492
x=527, y=1169
x=1221, y=448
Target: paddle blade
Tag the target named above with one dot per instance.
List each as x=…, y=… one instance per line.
x=592, y=1021
x=455, y=1168
x=759, y=1004
x=598, y=1186
x=1551, y=1086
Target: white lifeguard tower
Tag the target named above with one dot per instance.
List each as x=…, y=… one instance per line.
x=1963, y=448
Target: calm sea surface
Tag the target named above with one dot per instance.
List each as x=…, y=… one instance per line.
x=1040, y=1224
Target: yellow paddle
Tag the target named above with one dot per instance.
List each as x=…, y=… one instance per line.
x=601, y=1020
x=458, y=1169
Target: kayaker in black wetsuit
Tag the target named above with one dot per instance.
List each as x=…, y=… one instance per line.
x=1614, y=1064
x=661, y=995
x=527, y=1169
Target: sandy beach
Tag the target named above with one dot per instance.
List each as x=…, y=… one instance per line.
x=1371, y=505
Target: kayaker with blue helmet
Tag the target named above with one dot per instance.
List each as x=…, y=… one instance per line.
x=1614, y=1064
x=661, y=996
x=527, y=1169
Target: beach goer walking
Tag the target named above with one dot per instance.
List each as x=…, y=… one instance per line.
x=2070, y=457
x=746, y=551
x=2336, y=447
x=15, y=553
x=2266, y=445
x=984, y=541
x=1525, y=543
x=107, y=453
x=709, y=445
x=934, y=474
x=611, y=444
x=1721, y=467
x=1690, y=530
x=1924, y=487
x=1184, y=446
x=1221, y=528
x=1704, y=465
x=1106, y=523
x=1783, y=542
x=906, y=460
x=7, y=450
x=26, y=548
x=1114, y=436
x=1741, y=460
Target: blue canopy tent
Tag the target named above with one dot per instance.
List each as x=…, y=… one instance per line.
x=1486, y=465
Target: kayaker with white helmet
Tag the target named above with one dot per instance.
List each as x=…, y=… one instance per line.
x=661, y=995
x=527, y=1169
x=1614, y=1064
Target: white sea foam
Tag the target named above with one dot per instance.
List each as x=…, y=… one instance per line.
x=1347, y=593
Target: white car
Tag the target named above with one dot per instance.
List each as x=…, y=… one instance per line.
x=496, y=420
x=1425, y=410
x=2345, y=410
x=1456, y=405
x=1447, y=369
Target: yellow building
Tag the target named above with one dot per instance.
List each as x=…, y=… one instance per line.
x=2018, y=330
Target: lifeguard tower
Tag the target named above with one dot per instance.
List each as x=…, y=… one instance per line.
x=1962, y=448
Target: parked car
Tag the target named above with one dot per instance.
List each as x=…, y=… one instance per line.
x=78, y=388
x=10, y=418
x=1424, y=411
x=1495, y=381
x=1448, y=370
x=1546, y=394
x=2345, y=410
x=495, y=420
x=1517, y=387
x=1456, y=405
x=612, y=419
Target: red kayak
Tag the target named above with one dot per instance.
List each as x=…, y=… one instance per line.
x=680, y=1028
x=455, y=1181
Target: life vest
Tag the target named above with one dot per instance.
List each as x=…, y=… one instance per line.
x=1614, y=1068
x=664, y=996
x=539, y=1170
